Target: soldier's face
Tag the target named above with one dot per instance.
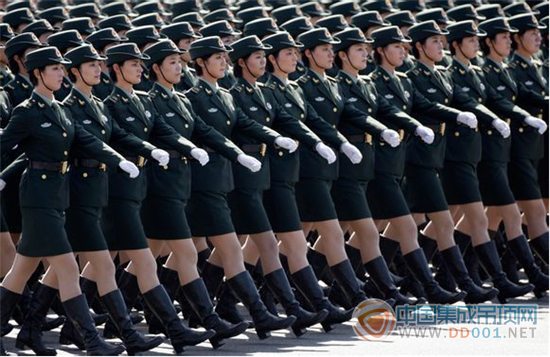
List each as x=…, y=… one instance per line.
x=171, y=68
x=286, y=60
x=132, y=70
x=356, y=55
x=393, y=54
x=469, y=46
x=3, y=58
x=52, y=76
x=322, y=55
x=216, y=65
x=44, y=37
x=184, y=44
x=255, y=64
x=432, y=48
x=531, y=40
x=91, y=72
x=501, y=44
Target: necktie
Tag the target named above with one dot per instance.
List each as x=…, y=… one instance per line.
x=138, y=104
x=57, y=111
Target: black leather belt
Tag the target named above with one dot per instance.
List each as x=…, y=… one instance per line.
x=90, y=163
x=50, y=166
x=176, y=155
x=357, y=139
x=261, y=148
x=139, y=161
x=437, y=128
x=207, y=149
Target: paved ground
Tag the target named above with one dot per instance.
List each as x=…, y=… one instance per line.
x=343, y=341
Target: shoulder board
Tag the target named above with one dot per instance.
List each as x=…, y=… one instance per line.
x=401, y=74
x=153, y=93
x=10, y=86
x=196, y=89
x=69, y=101
x=487, y=68
x=415, y=72
x=113, y=98
x=141, y=93
x=237, y=88
x=476, y=68
x=25, y=104
x=512, y=64
x=271, y=85
x=374, y=76
x=304, y=79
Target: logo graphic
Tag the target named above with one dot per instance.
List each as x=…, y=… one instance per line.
x=375, y=320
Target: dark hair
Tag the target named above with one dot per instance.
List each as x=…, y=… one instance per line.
x=415, y=51
x=483, y=45
x=112, y=73
x=337, y=60
x=33, y=78
x=514, y=43
x=238, y=70
x=152, y=74
x=198, y=68
x=452, y=48
x=14, y=66
x=377, y=57
x=71, y=76
x=268, y=65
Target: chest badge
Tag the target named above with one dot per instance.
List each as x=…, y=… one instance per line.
x=45, y=125
x=320, y=99
x=212, y=110
x=431, y=90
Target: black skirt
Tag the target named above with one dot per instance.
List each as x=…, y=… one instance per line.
x=524, y=179
x=209, y=214
x=44, y=233
x=493, y=183
x=385, y=197
x=122, y=226
x=10, y=204
x=423, y=189
x=543, y=176
x=3, y=224
x=350, y=199
x=164, y=218
x=83, y=228
x=281, y=207
x=460, y=183
x=247, y=211
x=314, y=200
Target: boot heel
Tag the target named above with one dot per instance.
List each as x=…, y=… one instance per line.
x=20, y=345
x=216, y=343
x=299, y=331
x=262, y=335
x=327, y=327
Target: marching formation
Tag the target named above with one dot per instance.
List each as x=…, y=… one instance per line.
x=185, y=156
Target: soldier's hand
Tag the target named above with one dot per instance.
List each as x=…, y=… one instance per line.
x=130, y=168
x=352, y=153
x=2, y=184
x=502, y=127
x=286, y=143
x=391, y=137
x=426, y=134
x=200, y=155
x=161, y=156
x=536, y=123
x=325, y=152
x=249, y=162
x=468, y=119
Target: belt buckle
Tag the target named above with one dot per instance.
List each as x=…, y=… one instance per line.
x=64, y=166
x=442, y=129
x=140, y=161
x=263, y=148
x=368, y=139
x=102, y=167
x=401, y=134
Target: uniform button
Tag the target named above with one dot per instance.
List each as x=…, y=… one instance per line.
x=370, y=110
x=65, y=153
x=335, y=109
x=280, y=153
x=334, y=126
x=43, y=176
x=229, y=122
x=267, y=119
x=457, y=133
x=489, y=132
x=543, y=93
x=186, y=126
x=165, y=167
x=404, y=107
x=480, y=99
x=520, y=130
x=85, y=174
x=513, y=97
x=446, y=100
x=103, y=131
x=302, y=116
x=540, y=116
x=145, y=130
x=65, y=134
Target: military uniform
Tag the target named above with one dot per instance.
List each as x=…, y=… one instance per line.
x=188, y=80
x=5, y=115
x=19, y=89
x=5, y=75
x=65, y=89
x=105, y=87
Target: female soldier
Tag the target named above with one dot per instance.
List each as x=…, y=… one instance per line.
x=283, y=60
x=423, y=187
x=464, y=151
x=246, y=200
x=527, y=144
x=88, y=195
x=208, y=210
x=493, y=167
x=169, y=186
x=46, y=135
x=349, y=190
x=122, y=225
x=313, y=190
x=384, y=193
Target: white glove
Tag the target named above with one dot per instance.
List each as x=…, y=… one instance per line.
x=286, y=143
x=502, y=127
x=536, y=123
x=325, y=152
x=426, y=134
x=391, y=137
x=200, y=155
x=249, y=162
x=130, y=168
x=161, y=156
x=2, y=184
x=468, y=119
x=353, y=154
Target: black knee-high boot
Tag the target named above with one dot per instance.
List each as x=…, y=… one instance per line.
x=196, y=295
x=31, y=332
x=488, y=257
x=278, y=283
x=202, y=258
x=306, y=282
x=464, y=242
x=419, y=267
x=520, y=248
x=380, y=274
x=8, y=303
x=540, y=246
x=78, y=313
x=134, y=341
x=128, y=286
x=264, y=322
x=180, y=336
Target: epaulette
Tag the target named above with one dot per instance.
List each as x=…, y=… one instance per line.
x=154, y=93
x=272, y=85
x=27, y=103
x=196, y=89
x=238, y=88
x=374, y=76
x=70, y=100
x=415, y=72
x=67, y=85
x=10, y=86
x=487, y=68
x=304, y=79
x=512, y=64
x=401, y=74
x=106, y=80
x=114, y=98
x=345, y=79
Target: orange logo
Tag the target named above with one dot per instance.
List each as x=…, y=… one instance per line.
x=375, y=320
